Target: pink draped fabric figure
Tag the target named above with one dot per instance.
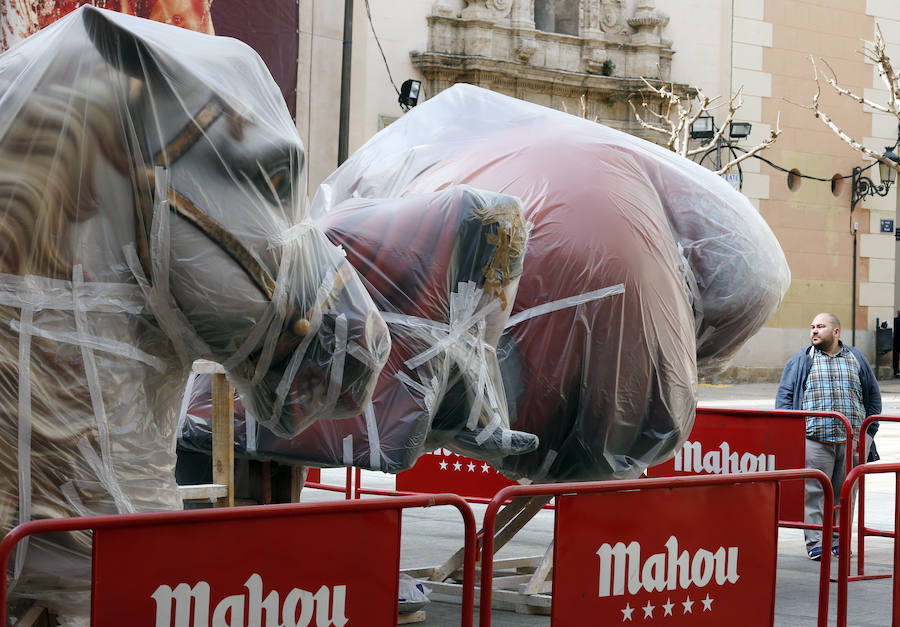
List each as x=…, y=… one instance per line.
x=643, y=270
x=443, y=268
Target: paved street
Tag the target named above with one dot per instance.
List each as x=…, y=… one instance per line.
x=431, y=536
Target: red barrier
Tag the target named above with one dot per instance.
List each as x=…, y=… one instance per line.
x=862, y=530
x=241, y=562
x=445, y=471
x=347, y=488
x=745, y=440
x=844, y=552
x=722, y=440
x=591, y=555
x=422, y=479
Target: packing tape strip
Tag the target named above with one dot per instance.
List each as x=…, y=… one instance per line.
x=564, y=303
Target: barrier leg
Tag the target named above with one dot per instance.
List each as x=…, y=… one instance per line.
x=513, y=511
x=896, y=587
x=861, y=527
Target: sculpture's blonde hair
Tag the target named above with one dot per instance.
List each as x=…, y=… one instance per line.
x=47, y=158
x=48, y=155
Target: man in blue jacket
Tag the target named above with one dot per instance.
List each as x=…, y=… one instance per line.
x=828, y=376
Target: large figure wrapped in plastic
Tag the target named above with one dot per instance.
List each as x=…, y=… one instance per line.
x=642, y=266
x=443, y=268
x=152, y=213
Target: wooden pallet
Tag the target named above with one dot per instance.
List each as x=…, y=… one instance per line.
x=522, y=584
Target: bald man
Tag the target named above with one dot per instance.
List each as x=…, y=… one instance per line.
x=827, y=376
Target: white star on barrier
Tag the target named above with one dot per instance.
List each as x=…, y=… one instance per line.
x=485, y=468
x=626, y=613
x=707, y=604
x=688, y=604
x=648, y=610
x=668, y=607
x=456, y=465
x=471, y=467
x=443, y=465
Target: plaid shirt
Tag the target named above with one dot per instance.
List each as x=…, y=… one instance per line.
x=833, y=385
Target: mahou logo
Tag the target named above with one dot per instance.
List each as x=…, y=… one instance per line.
x=668, y=570
x=692, y=458
x=326, y=605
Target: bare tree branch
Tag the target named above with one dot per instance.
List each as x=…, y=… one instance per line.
x=768, y=141
x=676, y=120
x=879, y=55
x=832, y=80
x=734, y=103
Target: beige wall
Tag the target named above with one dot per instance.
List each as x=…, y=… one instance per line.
x=720, y=45
x=812, y=224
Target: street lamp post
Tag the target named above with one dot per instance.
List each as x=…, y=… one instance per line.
x=862, y=187
x=704, y=128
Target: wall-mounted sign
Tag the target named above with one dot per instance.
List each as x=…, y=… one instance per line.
x=887, y=226
x=734, y=179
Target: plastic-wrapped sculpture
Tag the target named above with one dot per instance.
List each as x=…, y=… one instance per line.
x=443, y=269
x=642, y=267
x=152, y=213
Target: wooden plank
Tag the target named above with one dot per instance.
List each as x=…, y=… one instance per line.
x=504, y=516
x=298, y=480
x=413, y=617
x=418, y=573
x=204, y=366
x=511, y=582
x=209, y=492
x=516, y=599
x=34, y=614
x=223, y=436
x=500, y=599
x=539, y=578
x=518, y=562
x=545, y=588
x=531, y=509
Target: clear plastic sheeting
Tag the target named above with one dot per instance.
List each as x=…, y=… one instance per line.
x=443, y=269
x=641, y=266
x=150, y=192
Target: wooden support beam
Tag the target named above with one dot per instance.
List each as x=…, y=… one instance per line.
x=510, y=520
x=537, y=584
x=223, y=436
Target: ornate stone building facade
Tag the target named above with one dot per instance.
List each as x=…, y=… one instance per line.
x=552, y=52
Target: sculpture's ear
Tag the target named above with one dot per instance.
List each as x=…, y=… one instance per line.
x=120, y=47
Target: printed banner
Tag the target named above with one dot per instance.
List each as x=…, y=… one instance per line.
x=743, y=441
x=669, y=556
x=21, y=18
x=443, y=471
x=268, y=26
x=261, y=571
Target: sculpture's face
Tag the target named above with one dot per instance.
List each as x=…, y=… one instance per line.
x=279, y=306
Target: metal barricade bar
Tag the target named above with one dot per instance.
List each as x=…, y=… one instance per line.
x=560, y=489
x=186, y=518
x=862, y=530
x=844, y=551
x=746, y=417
